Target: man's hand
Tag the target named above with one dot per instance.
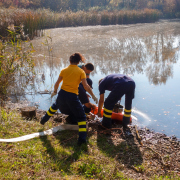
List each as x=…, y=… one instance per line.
x=53, y=94
x=95, y=99
x=93, y=106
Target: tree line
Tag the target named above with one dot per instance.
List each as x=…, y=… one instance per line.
x=170, y=8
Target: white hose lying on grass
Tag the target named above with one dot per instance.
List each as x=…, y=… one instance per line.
x=44, y=133
x=47, y=132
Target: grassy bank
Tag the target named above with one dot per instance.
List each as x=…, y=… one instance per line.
x=57, y=156
x=34, y=21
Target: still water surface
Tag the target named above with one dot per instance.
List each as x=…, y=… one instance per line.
x=148, y=53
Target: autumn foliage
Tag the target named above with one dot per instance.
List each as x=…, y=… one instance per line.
x=169, y=8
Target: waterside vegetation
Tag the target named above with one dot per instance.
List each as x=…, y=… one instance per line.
x=16, y=64
x=35, y=21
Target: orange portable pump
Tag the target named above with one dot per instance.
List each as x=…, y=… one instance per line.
x=114, y=116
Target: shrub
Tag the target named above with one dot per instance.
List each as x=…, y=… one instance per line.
x=15, y=63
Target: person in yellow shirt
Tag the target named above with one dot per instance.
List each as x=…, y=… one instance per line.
x=67, y=101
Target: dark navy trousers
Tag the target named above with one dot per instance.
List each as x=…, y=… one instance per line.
x=68, y=103
x=125, y=88
x=83, y=96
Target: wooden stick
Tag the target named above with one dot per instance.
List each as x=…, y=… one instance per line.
x=138, y=135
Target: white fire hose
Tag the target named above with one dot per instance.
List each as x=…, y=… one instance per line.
x=48, y=132
x=44, y=133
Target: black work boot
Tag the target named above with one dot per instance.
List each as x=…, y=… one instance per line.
x=81, y=142
x=125, y=122
x=106, y=123
x=44, y=119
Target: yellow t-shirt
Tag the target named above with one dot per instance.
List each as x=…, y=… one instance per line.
x=72, y=76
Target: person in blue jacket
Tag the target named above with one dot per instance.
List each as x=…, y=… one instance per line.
x=83, y=96
x=118, y=85
x=88, y=68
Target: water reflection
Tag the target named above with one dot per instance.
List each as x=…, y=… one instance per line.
x=162, y=55
x=150, y=49
x=153, y=55
x=131, y=55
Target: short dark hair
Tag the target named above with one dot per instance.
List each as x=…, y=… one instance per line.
x=89, y=66
x=76, y=58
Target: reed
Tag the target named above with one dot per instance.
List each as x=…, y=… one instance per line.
x=35, y=21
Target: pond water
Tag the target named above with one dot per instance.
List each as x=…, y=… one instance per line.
x=148, y=53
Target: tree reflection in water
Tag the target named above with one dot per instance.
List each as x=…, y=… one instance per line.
x=154, y=56
x=150, y=49
x=162, y=55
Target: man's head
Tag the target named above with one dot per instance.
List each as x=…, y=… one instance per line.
x=88, y=68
